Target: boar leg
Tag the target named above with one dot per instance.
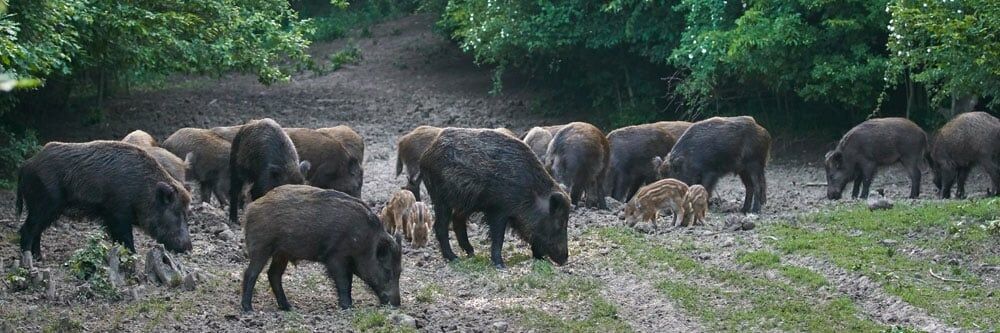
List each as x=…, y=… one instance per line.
x=750, y=188
x=31, y=231
x=206, y=188
x=274, y=273
x=759, y=181
x=235, y=187
x=948, y=176
x=498, y=228
x=250, y=280
x=119, y=229
x=342, y=279
x=963, y=175
x=914, y=169
x=868, y=173
x=994, y=172
x=442, y=214
x=460, y=224
x=857, y=188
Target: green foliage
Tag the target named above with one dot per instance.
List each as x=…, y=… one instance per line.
x=951, y=47
x=350, y=55
x=14, y=149
x=757, y=259
x=17, y=278
x=89, y=264
x=359, y=15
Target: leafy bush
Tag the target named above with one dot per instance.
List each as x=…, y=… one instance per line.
x=89, y=264
x=329, y=25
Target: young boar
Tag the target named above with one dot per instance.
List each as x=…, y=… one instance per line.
x=715, y=147
x=114, y=181
x=207, y=160
x=332, y=166
x=695, y=206
x=869, y=145
x=410, y=147
x=264, y=156
x=653, y=198
x=394, y=214
x=475, y=170
x=140, y=138
x=967, y=140
x=175, y=166
x=632, y=150
x=577, y=158
x=420, y=222
x=300, y=222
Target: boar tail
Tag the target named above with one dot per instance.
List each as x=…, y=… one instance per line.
x=399, y=165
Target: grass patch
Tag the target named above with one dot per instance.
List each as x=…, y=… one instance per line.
x=635, y=250
x=375, y=320
x=602, y=317
x=804, y=276
x=349, y=55
x=758, y=259
x=867, y=242
x=427, y=293
x=478, y=265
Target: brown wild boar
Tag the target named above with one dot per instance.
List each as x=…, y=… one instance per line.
x=299, y=222
x=410, y=147
x=116, y=182
x=869, y=145
x=332, y=166
x=538, y=138
x=476, y=170
x=577, y=158
x=140, y=138
x=717, y=146
x=394, y=214
x=263, y=156
x=207, y=160
x=351, y=140
x=653, y=198
x=226, y=132
x=420, y=222
x=632, y=150
x=968, y=140
x=695, y=206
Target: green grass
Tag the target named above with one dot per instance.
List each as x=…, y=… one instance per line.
x=349, y=55
x=738, y=300
x=602, y=317
x=854, y=238
x=375, y=320
x=428, y=292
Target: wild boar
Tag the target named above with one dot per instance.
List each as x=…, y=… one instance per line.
x=140, y=138
x=394, y=214
x=968, y=140
x=476, y=170
x=116, y=182
x=300, y=222
x=420, y=222
x=263, y=156
x=674, y=128
x=226, y=132
x=207, y=160
x=653, y=198
x=695, y=206
x=717, y=146
x=538, y=139
x=410, y=147
x=635, y=156
x=351, y=140
x=869, y=145
x=504, y=130
x=577, y=158
x=332, y=166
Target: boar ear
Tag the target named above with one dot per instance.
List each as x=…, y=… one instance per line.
x=557, y=202
x=834, y=158
x=304, y=167
x=165, y=193
x=657, y=161
x=188, y=159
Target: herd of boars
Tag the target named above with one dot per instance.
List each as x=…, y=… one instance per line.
x=301, y=187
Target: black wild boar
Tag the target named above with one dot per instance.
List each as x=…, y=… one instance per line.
x=114, y=181
x=175, y=166
x=635, y=156
x=140, y=138
x=577, y=158
x=717, y=146
x=476, y=170
x=967, y=140
x=300, y=222
x=869, y=145
x=207, y=158
x=264, y=156
x=410, y=147
x=332, y=166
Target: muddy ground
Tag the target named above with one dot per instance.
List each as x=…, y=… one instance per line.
x=409, y=76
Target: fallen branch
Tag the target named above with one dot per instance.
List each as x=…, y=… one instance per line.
x=931, y=270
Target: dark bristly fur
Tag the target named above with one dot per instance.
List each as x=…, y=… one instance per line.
x=633, y=152
x=409, y=149
x=869, y=145
x=476, y=170
x=114, y=181
x=968, y=140
x=577, y=157
x=715, y=147
x=299, y=222
x=264, y=156
x=332, y=165
x=208, y=164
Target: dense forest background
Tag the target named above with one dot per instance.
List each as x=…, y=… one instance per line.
x=805, y=66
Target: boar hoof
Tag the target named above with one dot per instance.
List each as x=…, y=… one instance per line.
x=500, y=266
